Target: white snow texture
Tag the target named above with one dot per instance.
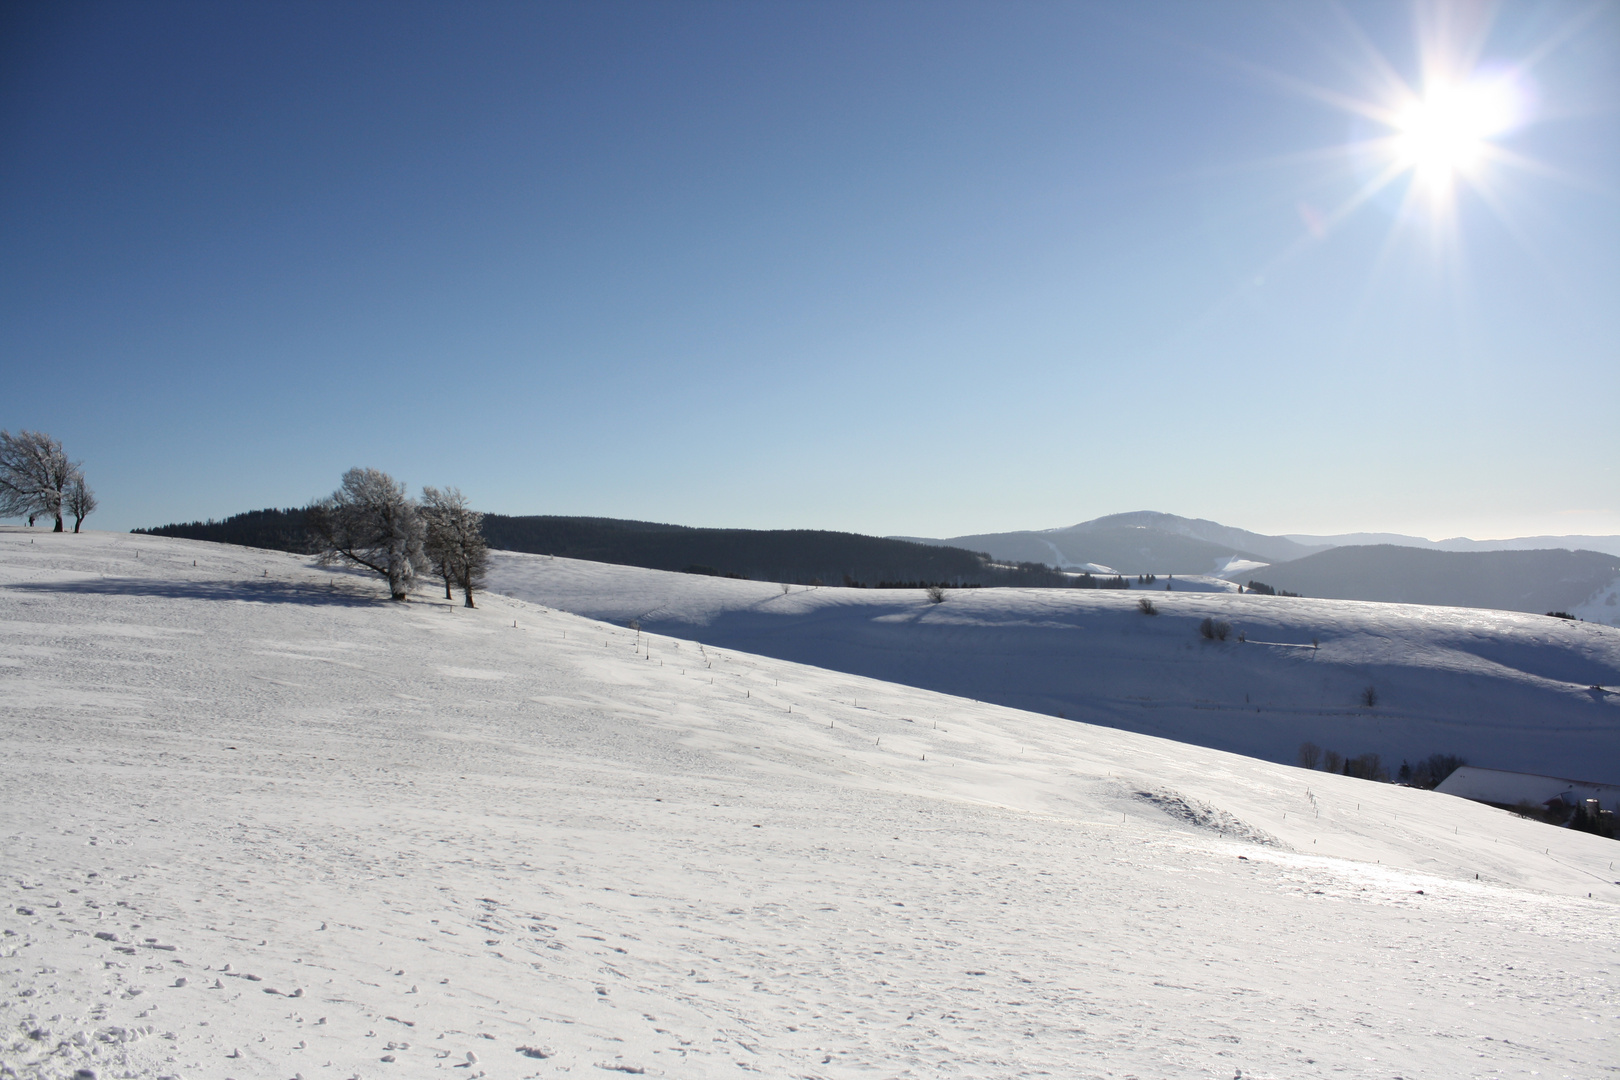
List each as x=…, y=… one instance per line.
x=258, y=821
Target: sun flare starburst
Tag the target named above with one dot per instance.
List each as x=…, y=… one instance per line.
x=1436, y=146
x=1424, y=143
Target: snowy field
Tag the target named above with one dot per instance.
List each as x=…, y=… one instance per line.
x=259, y=822
x=1503, y=689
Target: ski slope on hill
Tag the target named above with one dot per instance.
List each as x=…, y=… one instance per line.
x=260, y=822
x=1503, y=689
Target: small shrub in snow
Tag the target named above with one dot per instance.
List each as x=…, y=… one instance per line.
x=1369, y=696
x=1146, y=606
x=936, y=594
x=1215, y=629
x=1310, y=755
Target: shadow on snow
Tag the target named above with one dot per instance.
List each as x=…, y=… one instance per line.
x=251, y=591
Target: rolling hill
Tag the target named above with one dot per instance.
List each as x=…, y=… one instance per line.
x=1129, y=544
x=1503, y=690
x=260, y=822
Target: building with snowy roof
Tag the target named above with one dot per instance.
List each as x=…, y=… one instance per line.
x=1512, y=788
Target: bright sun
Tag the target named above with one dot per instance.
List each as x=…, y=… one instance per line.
x=1439, y=147
x=1448, y=131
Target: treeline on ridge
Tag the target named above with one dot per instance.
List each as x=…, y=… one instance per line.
x=800, y=556
x=278, y=530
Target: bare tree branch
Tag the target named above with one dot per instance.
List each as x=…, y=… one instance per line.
x=455, y=540
x=79, y=500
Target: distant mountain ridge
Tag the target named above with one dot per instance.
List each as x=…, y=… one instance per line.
x=1575, y=574
x=1141, y=541
x=1609, y=545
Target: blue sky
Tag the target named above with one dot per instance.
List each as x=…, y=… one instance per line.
x=926, y=269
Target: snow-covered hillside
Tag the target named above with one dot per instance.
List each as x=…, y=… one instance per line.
x=259, y=822
x=1602, y=606
x=1503, y=689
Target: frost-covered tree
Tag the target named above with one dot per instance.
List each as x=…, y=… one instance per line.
x=455, y=540
x=79, y=500
x=34, y=476
x=435, y=544
x=370, y=522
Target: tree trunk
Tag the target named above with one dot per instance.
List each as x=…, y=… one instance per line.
x=448, y=595
x=58, y=524
x=76, y=524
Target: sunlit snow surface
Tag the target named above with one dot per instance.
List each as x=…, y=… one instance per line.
x=259, y=822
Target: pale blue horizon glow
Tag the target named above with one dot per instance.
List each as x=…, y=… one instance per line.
x=922, y=269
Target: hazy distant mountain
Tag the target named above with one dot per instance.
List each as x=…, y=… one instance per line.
x=1607, y=544
x=1537, y=574
x=1535, y=581
x=1273, y=548
x=1129, y=539
x=1141, y=542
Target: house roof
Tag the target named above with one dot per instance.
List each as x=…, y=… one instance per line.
x=1511, y=788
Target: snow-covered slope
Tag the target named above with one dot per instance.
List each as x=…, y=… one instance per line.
x=258, y=822
x=1504, y=690
x=1602, y=606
